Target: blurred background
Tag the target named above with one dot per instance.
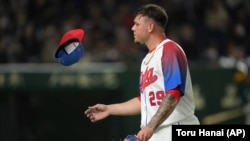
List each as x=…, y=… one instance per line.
x=42, y=100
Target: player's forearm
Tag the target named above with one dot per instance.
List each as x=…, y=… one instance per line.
x=166, y=108
x=130, y=107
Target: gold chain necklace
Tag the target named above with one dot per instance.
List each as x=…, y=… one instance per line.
x=146, y=63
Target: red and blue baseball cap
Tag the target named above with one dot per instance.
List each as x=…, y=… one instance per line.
x=131, y=138
x=70, y=48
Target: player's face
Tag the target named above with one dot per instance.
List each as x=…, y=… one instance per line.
x=140, y=29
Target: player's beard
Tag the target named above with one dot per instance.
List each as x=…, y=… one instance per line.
x=136, y=40
x=139, y=41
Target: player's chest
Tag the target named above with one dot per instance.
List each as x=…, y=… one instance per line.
x=151, y=60
x=151, y=68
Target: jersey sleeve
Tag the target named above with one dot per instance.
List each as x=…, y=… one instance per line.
x=174, y=67
x=176, y=92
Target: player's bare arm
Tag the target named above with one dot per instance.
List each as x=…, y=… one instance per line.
x=167, y=106
x=130, y=107
x=101, y=111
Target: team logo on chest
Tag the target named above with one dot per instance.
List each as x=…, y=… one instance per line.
x=147, y=78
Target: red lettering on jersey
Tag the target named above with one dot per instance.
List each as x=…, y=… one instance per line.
x=147, y=78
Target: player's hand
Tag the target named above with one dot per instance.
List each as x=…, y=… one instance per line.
x=97, y=112
x=145, y=134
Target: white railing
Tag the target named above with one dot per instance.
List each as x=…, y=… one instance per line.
x=56, y=67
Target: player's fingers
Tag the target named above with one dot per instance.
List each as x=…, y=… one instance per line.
x=92, y=118
x=140, y=137
x=88, y=112
x=91, y=110
x=137, y=139
x=88, y=115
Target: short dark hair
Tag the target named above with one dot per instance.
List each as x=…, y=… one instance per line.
x=157, y=13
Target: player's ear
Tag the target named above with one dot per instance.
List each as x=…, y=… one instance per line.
x=150, y=27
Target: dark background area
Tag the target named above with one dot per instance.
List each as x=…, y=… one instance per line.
x=213, y=33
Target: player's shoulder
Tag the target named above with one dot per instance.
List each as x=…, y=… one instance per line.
x=171, y=45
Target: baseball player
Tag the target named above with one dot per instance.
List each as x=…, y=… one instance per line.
x=166, y=95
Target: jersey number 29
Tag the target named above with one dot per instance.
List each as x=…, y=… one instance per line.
x=155, y=98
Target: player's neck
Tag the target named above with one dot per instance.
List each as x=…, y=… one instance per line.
x=154, y=41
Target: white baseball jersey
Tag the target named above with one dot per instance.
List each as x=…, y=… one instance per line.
x=163, y=69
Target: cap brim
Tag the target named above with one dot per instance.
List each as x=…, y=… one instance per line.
x=72, y=34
